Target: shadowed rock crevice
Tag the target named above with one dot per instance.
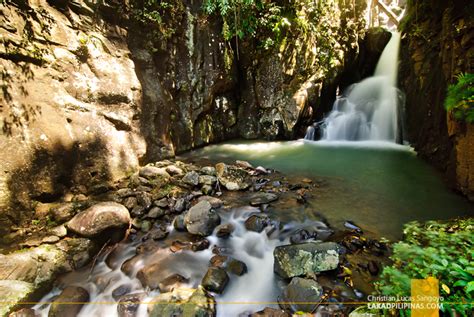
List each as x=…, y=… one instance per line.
x=52, y=172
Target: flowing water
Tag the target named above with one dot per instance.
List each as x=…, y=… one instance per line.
x=250, y=292
x=378, y=185
x=367, y=110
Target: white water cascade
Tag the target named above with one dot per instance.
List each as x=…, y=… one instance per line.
x=368, y=110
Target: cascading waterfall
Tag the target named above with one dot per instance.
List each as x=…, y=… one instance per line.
x=367, y=110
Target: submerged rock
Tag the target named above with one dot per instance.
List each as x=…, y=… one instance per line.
x=151, y=275
x=183, y=302
x=201, y=219
x=301, y=295
x=98, y=218
x=351, y=226
x=74, y=296
x=172, y=282
x=262, y=198
x=215, y=280
x=305, y=258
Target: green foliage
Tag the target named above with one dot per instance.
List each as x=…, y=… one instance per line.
x=460, y=98
x=243, y=18
x=441, y=250
x=157, y=17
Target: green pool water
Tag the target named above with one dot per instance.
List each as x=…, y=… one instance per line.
x=379, y=186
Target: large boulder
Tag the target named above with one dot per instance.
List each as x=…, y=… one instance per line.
x=69, y=302
x=183, y=302
x=13, y=292
x=305, y=258
x=231, y=177
x=98, y=218
x=38, y=266
x=201, y=219
x=215, y=280
x=301, y=295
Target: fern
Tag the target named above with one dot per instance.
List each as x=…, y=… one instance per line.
x=460, y=98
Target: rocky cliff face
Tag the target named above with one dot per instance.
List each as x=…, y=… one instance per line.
x=437, y=45
x=88, y=94
x=70, y=103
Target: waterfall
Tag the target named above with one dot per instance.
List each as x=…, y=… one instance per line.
x=310, y=131
x=368, y=110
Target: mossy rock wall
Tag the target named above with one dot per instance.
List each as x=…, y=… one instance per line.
x=438, y=44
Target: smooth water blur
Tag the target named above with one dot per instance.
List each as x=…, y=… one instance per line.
x=378, y=185
x=368, y=110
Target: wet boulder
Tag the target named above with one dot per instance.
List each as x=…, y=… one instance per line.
x=228, y=263
x=231, y=177
x=259, y=222
x=98, y=218
x=305, y=258
x=172, y=282
x=237, y=267
x=201, y=219
x=224, y=230
x=74, y=296
x=120, y=291
x=151, y=275
x=128, y=305
x=178, y=223
x=183, y=302
x=301, y=294
x=215, y=280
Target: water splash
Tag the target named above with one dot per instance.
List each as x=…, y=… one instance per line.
x=368, y=110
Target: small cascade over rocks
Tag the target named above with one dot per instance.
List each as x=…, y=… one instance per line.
x=367, y=111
